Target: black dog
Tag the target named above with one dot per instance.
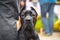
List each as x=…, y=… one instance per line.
x=27, y=31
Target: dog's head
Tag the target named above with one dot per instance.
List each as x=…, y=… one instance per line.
x=28, y=17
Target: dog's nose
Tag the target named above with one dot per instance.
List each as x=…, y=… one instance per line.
x=28, y=18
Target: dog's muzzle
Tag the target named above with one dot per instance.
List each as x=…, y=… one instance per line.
x=28, y=21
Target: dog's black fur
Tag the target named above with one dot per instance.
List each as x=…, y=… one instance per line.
x=28, y=20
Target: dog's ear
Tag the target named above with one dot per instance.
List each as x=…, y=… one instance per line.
x=22, y=9
x=34, y=10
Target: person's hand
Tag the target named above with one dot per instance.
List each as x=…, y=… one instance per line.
x=22, y=3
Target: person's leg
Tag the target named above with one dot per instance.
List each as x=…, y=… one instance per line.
x=44, y=9
x=51, y=18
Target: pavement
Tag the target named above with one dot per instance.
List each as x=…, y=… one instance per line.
x=55, y=36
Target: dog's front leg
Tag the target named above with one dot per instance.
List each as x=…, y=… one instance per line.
x=36, y=36
x=21, y=36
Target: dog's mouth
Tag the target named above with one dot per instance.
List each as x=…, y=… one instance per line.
x=28, y=25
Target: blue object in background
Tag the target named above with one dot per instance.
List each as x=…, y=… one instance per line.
x=47, y=1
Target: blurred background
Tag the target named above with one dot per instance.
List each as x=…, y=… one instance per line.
x=39, y=25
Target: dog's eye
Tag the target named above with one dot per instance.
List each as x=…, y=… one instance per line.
x=22, y=15
x=33, y=15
